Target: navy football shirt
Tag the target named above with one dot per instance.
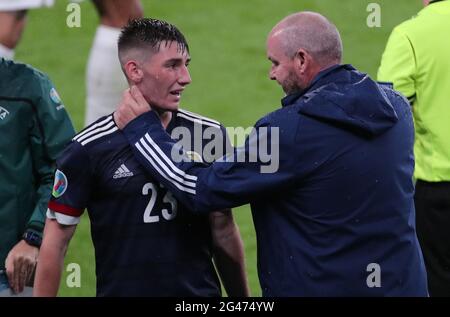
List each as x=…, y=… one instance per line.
x=146, y=243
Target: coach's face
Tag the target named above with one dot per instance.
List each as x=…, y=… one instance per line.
x=283, y=66
x=165, y=74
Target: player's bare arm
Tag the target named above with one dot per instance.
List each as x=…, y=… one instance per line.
x=229, y=253
x=51, y=258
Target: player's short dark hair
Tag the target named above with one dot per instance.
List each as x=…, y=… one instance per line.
x=150, y=33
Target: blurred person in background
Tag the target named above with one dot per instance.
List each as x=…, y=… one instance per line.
x=13, y=16
x=34, y=128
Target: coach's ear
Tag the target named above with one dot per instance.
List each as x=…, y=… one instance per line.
x=133, y=72
x=302, y=61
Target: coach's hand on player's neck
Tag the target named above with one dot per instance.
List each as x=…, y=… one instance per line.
x=132, y=105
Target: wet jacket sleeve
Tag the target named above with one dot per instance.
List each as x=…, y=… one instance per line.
x=233, y=180
x=51, y=132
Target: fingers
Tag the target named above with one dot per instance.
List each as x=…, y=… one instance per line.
x=20, y=265
x=9, y=266
x=139, y=98
x=13, y=272
x=132, y=105
x=118, y=119
x=20, y=275
x=122, y=112
x=30, y=276
x=24, y=269
x=129, y=102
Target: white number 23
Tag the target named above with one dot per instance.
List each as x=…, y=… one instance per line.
x=167, y=214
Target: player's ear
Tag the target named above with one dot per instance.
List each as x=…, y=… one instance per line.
x=133, y=71
x=302, y=61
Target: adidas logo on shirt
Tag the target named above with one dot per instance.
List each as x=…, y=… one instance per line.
x=122, y=171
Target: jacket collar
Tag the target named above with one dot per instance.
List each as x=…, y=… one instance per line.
x=317, y=81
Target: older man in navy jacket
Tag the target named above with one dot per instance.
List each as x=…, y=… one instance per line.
x=336, y=218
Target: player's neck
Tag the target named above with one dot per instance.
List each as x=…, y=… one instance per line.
x=165, y=117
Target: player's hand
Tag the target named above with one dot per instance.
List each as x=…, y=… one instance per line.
x=132, y=105
x=20, y=265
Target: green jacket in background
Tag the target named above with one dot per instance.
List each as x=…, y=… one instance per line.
x=417, y=61
x=34, y=128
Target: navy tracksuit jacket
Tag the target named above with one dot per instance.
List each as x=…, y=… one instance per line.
x=337, y=218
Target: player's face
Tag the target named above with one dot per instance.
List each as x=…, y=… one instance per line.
x=165, y=76
x=283, y=67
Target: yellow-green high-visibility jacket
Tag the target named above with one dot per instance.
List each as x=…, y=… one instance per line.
x=417, y=61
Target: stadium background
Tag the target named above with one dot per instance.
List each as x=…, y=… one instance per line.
x=229, y=69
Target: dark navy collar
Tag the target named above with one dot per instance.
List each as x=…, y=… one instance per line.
x=292, y=98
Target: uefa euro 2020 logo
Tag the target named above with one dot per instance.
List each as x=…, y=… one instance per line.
x=60, y=184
